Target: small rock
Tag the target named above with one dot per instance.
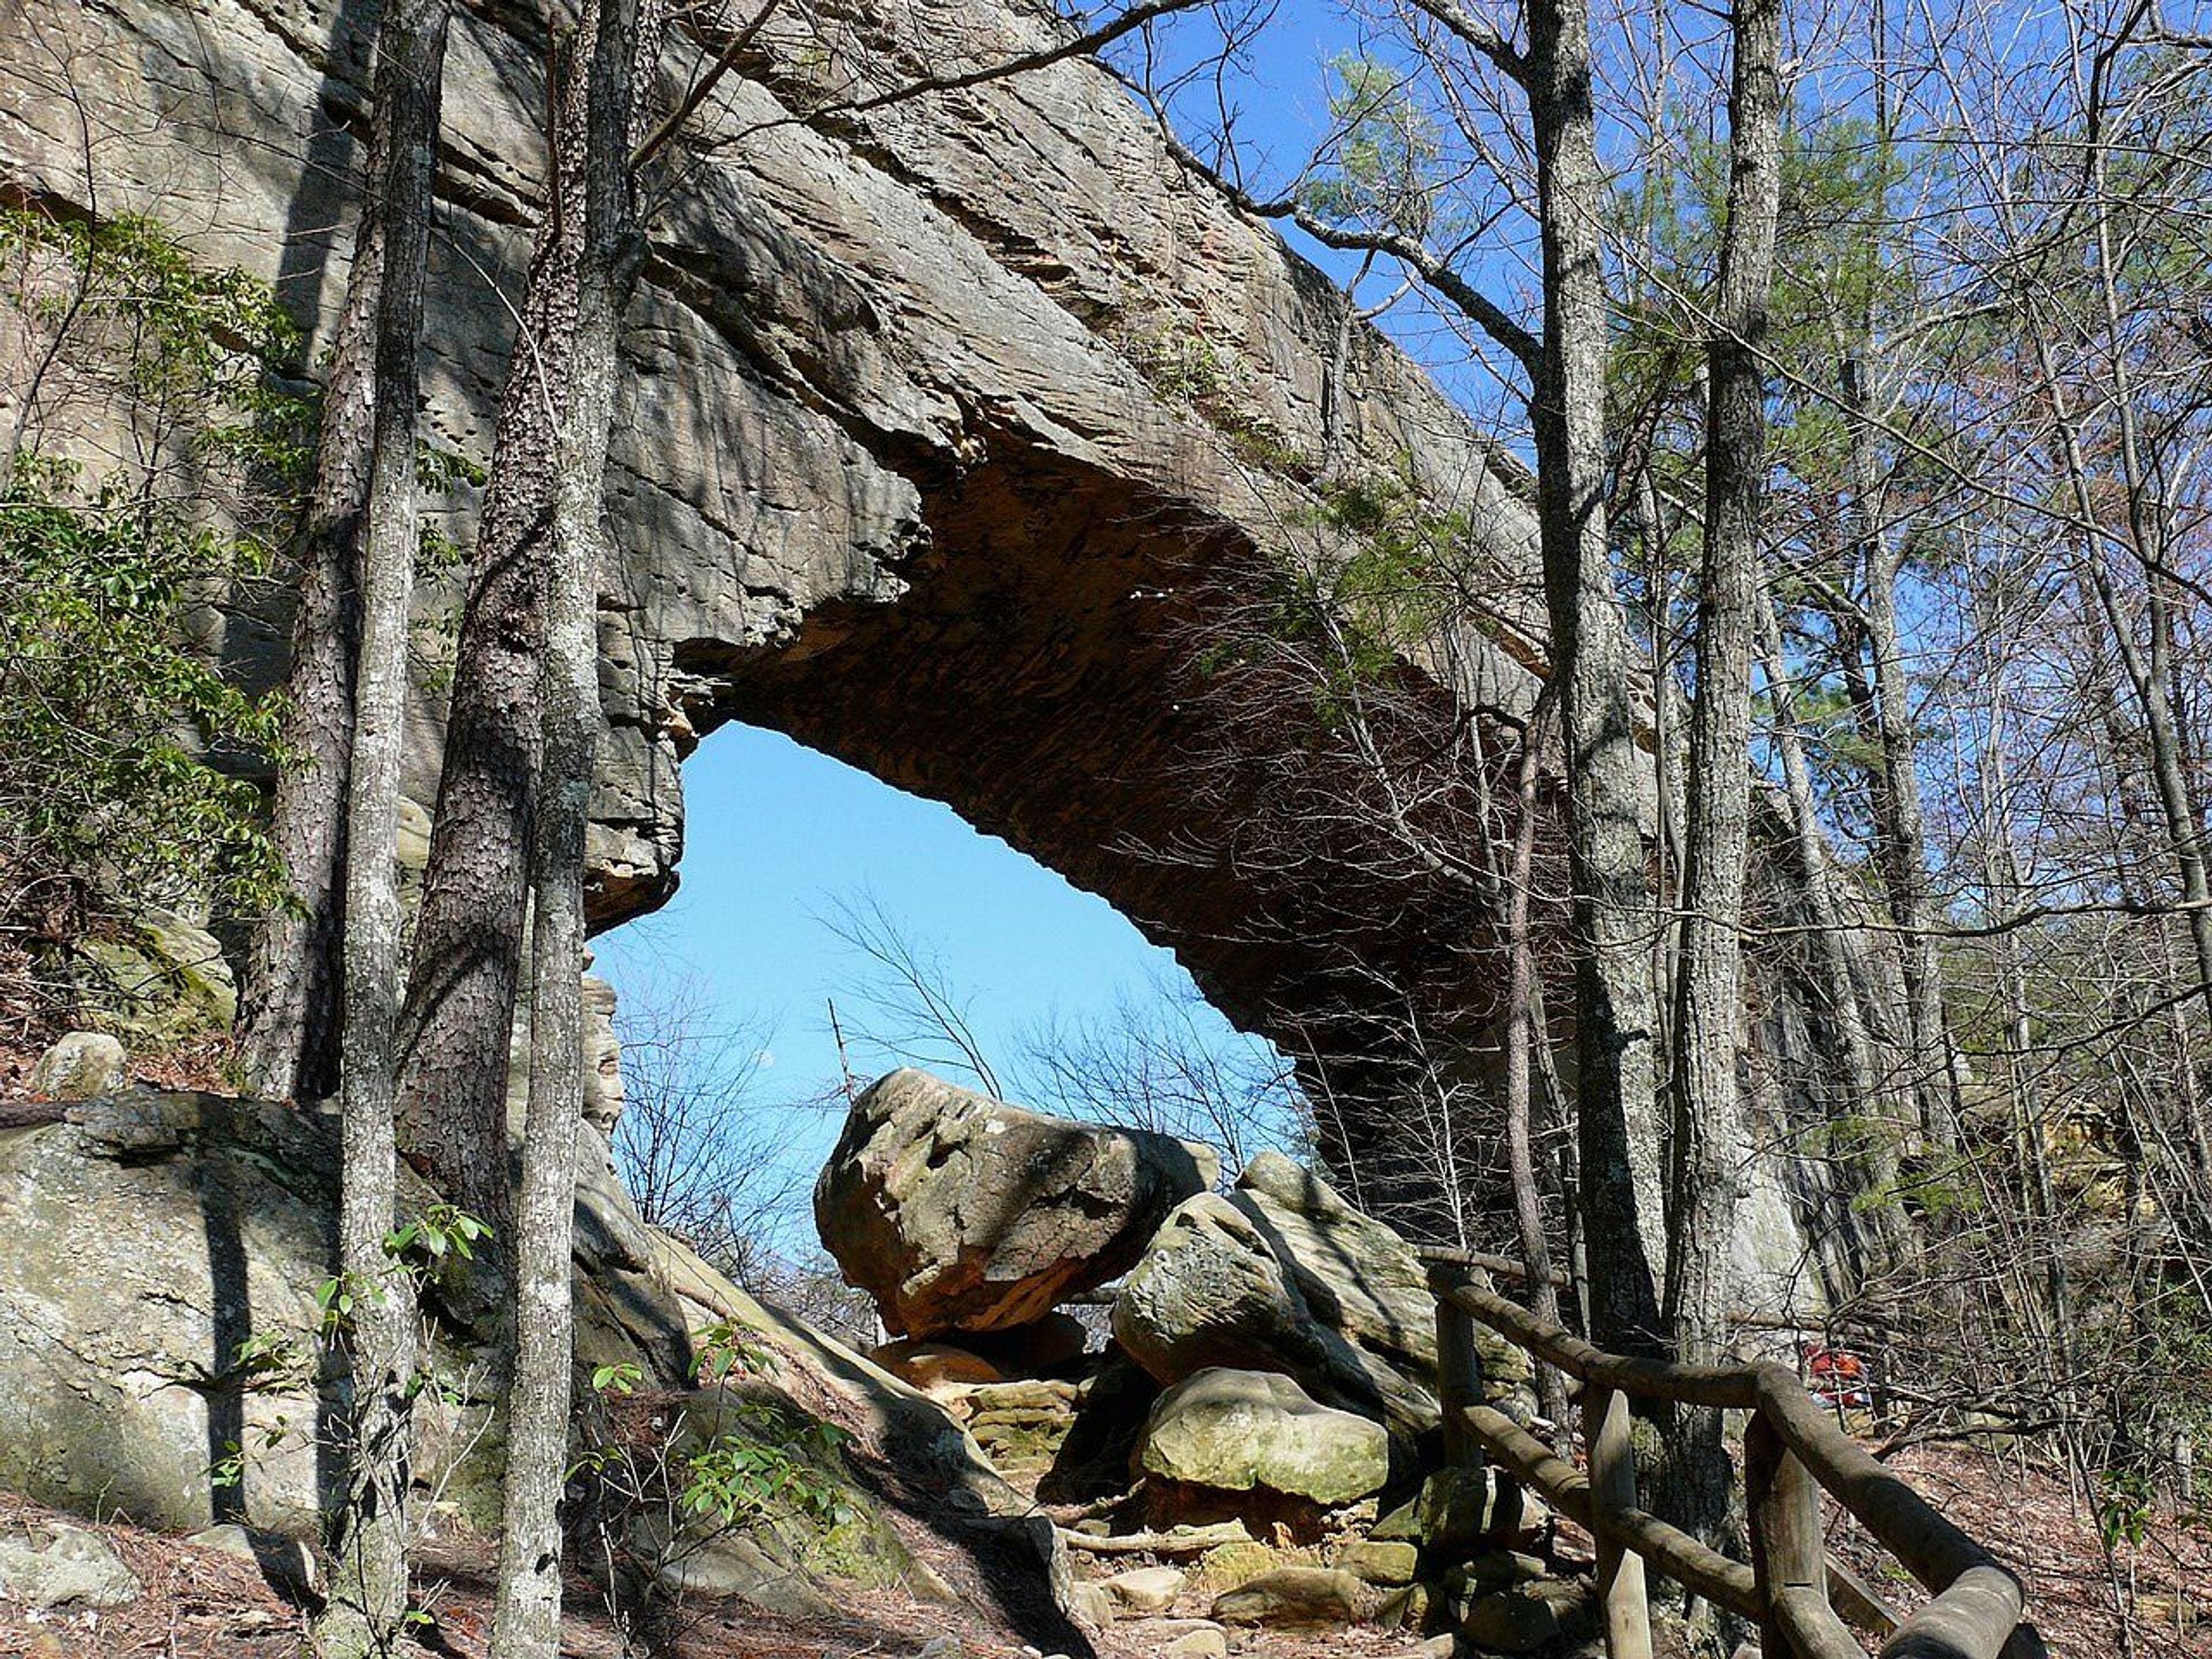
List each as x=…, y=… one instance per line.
x=1094, y=1605
x=1389, y=1562
x=1411, y=1608
x=1401, y=1525
x=81, y=1065
x=1463, y=1511
x=1146, y=1589
x=1022, y=1395
x=1294, y=1596
x=938, y=1369
x=1192, y=1639
x=942, y=1647
x=1524, y=1620
x=58, y=1567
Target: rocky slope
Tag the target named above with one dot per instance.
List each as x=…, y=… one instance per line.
x=160, y=1260
x=1251, y=1445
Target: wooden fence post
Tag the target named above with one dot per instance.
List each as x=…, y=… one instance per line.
x=1459, y=1367
x=1783, y=1502
x=1613, y=1482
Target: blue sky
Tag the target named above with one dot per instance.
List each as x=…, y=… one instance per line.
x=780, y=835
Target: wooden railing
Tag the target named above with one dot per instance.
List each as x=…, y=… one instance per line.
x=1793, y=1452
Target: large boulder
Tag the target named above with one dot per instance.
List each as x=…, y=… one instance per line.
x=159, y=1257
x=1210, y=1290
x=1239, y=1431
x=1357, y=1275
x=957, y=1211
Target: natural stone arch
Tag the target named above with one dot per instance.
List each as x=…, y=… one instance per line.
x=893, y=461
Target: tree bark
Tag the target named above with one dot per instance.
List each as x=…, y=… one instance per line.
x=1711, y=1129
x=459, y=1015
x=289, y=996
x=1521, y=1037
x=1850, y=1044
x=611, y=51
x=368, y=1571
x=1899, y=826
x=1616, y=1013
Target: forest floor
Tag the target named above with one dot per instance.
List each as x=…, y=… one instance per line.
x=202, y=1603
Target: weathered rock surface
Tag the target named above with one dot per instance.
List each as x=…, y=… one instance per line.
x=1146, y=1589
x=896, y=471
x=162, y=977
x=1381, y=1561
x=1468, y=1511
x=1211, y=1292
x=65, y=1566
x=1295, y=1596
x=939, y=1370
x=1530, y=1616
x=957, y=1211
x=121, y=1379
x=1232, y=1431
x=1357, y=1275
x=79, y=1065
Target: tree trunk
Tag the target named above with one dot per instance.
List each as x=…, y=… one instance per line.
x=593, y=163
x=1520, y=1036
x=459, y=1015
x=1711, y=1130
x=1616, y=1014
x=288, y=1031
x=1900, y=833
x=368, y=1570
x=1863, y=1091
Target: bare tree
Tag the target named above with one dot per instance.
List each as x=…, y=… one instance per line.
x=368, y=1573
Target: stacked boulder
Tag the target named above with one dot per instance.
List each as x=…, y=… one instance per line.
x=961, y=1214
x=1255, y=1437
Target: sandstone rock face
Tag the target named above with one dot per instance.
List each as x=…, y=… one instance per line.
x=957, y=1211
x=1238, y=1431
x=120, y=1379
x=1357, y=1275
x=79, y=1066
x=160, y=978
x=896, y=471
x=144, y=1238
x=1210, y=1291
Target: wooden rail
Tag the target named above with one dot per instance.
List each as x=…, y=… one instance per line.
x=1793, y=1452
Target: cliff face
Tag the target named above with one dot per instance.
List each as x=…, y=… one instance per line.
x=911, y=465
